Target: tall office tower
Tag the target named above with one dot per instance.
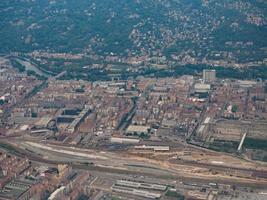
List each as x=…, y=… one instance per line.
x=209, y=75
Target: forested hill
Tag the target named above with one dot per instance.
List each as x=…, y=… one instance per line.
x=233, y=30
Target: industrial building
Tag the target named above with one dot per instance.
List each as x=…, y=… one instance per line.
x=131, y=191
x=73, y=118
x=202, y=88
x=137, y=130
x=16, y=189
x=124, y=140
x=154, y=148
x=132, y=184
x=72, y=127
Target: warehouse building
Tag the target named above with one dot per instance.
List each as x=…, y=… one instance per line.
x=137, y=130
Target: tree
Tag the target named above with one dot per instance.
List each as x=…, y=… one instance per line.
x=234, y=109
x=2, y=101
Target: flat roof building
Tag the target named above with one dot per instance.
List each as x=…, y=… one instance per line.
x=209, y=75
x=124, y=140
x=202, y=88
x=133, y=184
x=137, y=129
x=154, y=148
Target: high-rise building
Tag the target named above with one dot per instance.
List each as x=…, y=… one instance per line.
x=209, y=75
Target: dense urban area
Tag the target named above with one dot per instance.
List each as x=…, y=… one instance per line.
x=186, y=137
x=133, y=99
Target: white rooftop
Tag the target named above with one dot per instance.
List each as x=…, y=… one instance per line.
x=137, y=128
